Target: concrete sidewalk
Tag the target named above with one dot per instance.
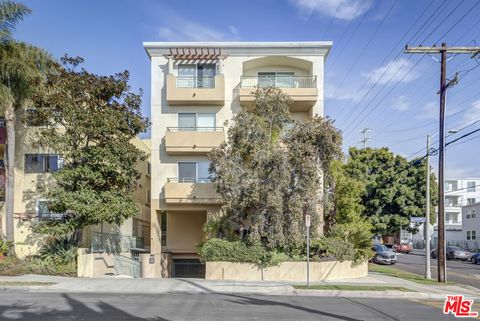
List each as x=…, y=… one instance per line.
x=164, y=286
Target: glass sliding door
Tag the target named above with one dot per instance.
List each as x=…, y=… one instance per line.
x=187, y=172
x=203, y=174
x=187, y=122
x=266, y=79
x=187, y=75
x=206, y=75
x=206, y=122
x=285, y=80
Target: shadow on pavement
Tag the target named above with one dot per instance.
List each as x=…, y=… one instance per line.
x=75, y=310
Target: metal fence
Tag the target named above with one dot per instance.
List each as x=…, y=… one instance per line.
x=278, y=81
x=195, y=129
x=125, y=265
x=195, y=82
x=189, y=180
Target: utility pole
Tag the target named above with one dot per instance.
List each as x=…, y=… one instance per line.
x=428, y=273
x=443, y=51
x=366, y=139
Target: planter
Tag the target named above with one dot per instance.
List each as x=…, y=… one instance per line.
x=286, y=271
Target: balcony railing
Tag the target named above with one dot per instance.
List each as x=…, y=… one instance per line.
x=278, y=81
x=195, y=82
x=189, y=180
x=195, y=129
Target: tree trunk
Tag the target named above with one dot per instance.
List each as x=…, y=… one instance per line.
x=9, y=171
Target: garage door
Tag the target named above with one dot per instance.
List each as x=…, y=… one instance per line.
x=188, y=268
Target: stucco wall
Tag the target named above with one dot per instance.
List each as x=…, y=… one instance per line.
x=286, y=271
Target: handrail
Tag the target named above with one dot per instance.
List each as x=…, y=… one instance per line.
x=195, y=129
x=195, y=82
x=189, y=180
x=278, y=81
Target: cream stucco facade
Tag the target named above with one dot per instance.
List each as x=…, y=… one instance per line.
x=193, y=84
x=31, y=185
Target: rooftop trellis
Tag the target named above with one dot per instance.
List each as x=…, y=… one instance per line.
x=195, y=53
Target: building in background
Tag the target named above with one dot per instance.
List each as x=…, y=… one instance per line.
x=196, y=87
x=471, y=226
x=459, y=192
x=33, y=176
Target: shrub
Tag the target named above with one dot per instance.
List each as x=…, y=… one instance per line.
x=4, y=247
x=60, y=249
x=215, y=250
x=358, y=238
x=34, y=265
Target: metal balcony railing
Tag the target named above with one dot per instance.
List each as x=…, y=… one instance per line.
x=189, y=180
x=195, y=129
x=195, y=82
x=278, y=81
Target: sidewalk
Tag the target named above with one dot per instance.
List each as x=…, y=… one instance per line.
x=164, y=286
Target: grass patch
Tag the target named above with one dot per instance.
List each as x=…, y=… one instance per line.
x=33, y=265
x=403, y=275
x=24, y=283
x=348, y=287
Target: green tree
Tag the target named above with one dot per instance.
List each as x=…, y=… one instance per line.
x=395, y=188
x=90, y=120
x=269, y=172
x=11, y=13
x=22, y=68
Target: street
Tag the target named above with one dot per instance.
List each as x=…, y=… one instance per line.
x=457, y=271
x=162, y=307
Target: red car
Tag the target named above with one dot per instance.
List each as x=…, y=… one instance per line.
x=402, y=248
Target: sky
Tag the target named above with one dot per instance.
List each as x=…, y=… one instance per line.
x=369, y=81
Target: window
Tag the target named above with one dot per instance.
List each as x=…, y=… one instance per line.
x=163, y=228
x=276, y=79
x=450, y=185
x=470, y=200
x=468, y=236
x=194, y=172
x=451, y=218
x=470, y=186
x=467, y=215
x=196, y=75
x=196, y=122
x=451, y=201
x=187, y=171
x=474, y=235
x=474, y=215
x=43, y=212
x=39, y=163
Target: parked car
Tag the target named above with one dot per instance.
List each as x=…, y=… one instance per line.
x=475, y=258
x=402, y=248
x=384, y=255
x=453, y=253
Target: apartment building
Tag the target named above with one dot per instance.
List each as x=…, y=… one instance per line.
x=196, y=87
x=33, y=176
x=471, y=226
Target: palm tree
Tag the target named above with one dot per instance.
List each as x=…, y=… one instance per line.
x=22, y=67
x=10, y=14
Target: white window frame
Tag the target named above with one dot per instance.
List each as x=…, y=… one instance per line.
x=473, y=235
x=197, y=179
x=214, y=128
x=468, y=236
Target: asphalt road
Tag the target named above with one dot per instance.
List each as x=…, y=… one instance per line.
x=457, y=271
x=211, y=307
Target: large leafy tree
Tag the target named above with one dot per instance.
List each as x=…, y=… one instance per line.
x=269, y=173
x=394, y=188
x=22, y=68
x=90, y=120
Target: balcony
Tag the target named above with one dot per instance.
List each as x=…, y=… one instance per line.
x=193, y=140
x=195, y=90
x=186, y=191
x=301, y=89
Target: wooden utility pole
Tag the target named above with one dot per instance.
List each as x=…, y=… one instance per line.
x=443, y=51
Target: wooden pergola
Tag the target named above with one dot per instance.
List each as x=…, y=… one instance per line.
x=196, y=53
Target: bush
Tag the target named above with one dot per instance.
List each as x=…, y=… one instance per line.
x=4, y=247
x=215, y=250
x=34, y=265
x=61, y=249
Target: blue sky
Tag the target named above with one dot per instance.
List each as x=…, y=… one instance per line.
x=369, y=82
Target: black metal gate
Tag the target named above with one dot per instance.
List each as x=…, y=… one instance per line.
x=188, y=268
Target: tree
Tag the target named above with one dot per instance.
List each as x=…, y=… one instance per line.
x=269, y=173
x=10, y=14
x=22, y=67
x=90, y=120
x=395, y=188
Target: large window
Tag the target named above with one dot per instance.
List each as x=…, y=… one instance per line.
x=196, y=122
x=470, y=200
x=450, y=186
x=196, y=75
x=42, y=163
x=194, y=172
x=471, y=186
x=471, y=235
